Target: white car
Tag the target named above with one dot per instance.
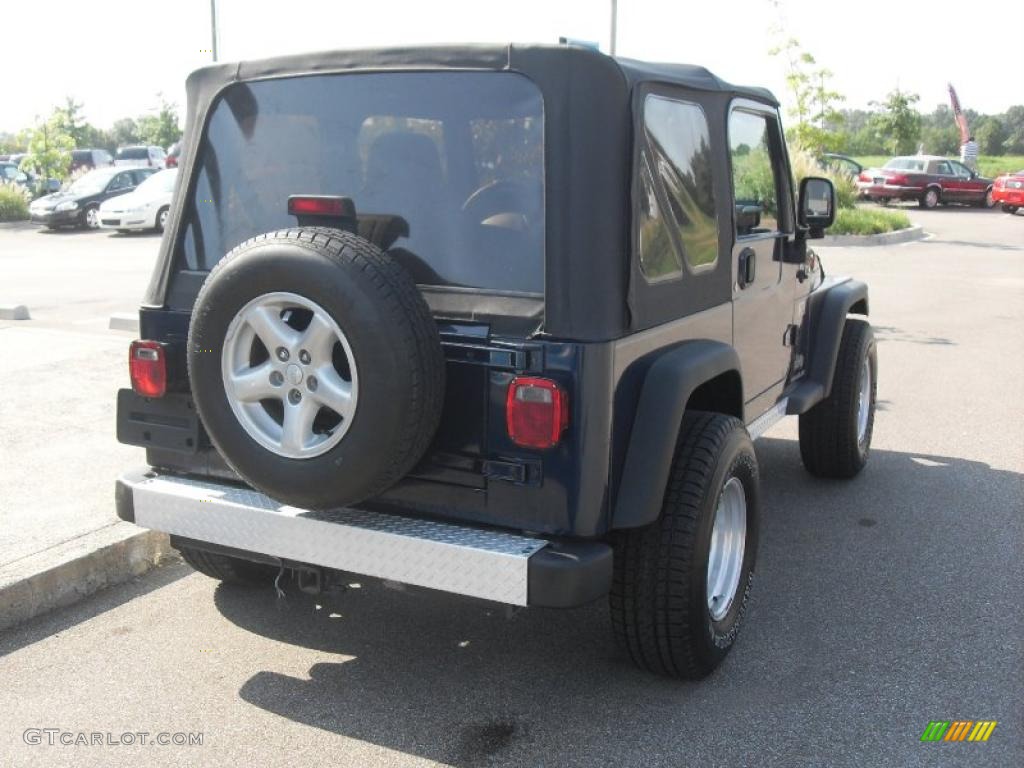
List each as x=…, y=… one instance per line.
x=144, y=208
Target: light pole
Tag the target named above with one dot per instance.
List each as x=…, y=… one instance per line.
x=213, y=27
x=615, y=15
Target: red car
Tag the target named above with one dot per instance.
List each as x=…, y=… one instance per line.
x=928, y=179
x=1009, y=191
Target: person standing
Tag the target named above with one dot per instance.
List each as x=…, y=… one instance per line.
x=969, y=154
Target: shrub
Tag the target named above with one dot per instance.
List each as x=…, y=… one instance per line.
x=13, y=203
x=868, y=221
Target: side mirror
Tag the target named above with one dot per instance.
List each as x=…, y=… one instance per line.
x=816, y=206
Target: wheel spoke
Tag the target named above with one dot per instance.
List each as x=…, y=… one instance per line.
x=333, y=391
x=253, y=384
x=298, y=424
x=318, y=339
x=270, y=328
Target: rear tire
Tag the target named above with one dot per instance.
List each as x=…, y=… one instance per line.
x=661, y=610
x=1007, y=208
x=161, y=218
x=835, y=435
x=930, y=199
x=232, y=570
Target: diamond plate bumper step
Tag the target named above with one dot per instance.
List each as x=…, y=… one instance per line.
x=494, y=565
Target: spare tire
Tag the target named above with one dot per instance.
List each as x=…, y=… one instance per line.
x=315, y=366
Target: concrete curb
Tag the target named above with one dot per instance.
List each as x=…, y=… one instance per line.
x=14, y=312
x=70, y=571
x=123, y=321
x=25, y=224
x=887, y=238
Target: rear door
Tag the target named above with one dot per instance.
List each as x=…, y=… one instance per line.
x=763, y=288
x=952, y=190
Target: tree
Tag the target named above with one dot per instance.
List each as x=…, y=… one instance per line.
x=990, y=135
x=897, y=123
x=160, y=129
x=124, y=131
x=49, y=150
x=814, y=101
x=1014, y=122
x=68, y=119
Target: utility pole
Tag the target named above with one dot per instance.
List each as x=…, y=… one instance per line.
x=615, y=15
x=213, y=27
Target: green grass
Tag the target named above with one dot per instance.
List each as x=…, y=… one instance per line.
x=868, y=221
x=13, y=206
x=989, y=165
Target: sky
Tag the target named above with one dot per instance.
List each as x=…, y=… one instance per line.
x=139, y=48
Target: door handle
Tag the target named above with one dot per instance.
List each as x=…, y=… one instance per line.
x=747, y=271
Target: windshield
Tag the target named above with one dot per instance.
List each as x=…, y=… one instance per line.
x=159, y=183
x=458, y=155
x=905, y=164
x=133, y=153
x=91, y=183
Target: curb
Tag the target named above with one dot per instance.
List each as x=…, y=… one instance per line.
x=23, y=224
x=124, y=321
x=887, y=238
x=72, y=570
x=14, y=312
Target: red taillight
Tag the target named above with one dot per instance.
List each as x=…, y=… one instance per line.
x=536, y=412
x=147, y=365
x=863, y=177
x=896, y=180
x=321, y=205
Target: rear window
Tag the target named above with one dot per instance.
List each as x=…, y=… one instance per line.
x=458, y=155
x=905, y=164
x=133, y=153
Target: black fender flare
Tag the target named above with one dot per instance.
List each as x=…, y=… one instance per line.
x=827, y=308
x=667, y=387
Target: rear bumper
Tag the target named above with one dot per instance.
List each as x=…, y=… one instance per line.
x=490, y=564
x=1008, y=196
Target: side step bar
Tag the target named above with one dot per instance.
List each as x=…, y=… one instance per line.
x=494, y=565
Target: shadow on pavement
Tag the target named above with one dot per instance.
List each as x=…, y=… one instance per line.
x=864, y=587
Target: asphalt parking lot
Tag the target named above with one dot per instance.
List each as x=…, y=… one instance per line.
x=880, y=604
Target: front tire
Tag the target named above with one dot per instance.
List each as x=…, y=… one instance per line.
x=681, y=584
x=987, y=202
x=91, y=217
x=835, y=435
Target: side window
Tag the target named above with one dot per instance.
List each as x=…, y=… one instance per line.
x=960, y=170
x=121, y=181
x=944, y=169
x=677, y=221
x=755, y=181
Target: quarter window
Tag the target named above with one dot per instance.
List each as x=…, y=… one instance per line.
x=677, y=222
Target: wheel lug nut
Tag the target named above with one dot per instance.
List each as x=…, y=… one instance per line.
x=294, y=397
x=276, y=378
x=312, y=383
x=282, y=354
x=304, y=357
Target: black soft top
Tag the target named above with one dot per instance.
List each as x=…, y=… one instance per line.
x=588, y=135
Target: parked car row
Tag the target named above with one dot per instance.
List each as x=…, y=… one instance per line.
x=928, y=179
x=113, y=198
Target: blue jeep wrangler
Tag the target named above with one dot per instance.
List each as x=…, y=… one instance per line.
x=501, y=321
